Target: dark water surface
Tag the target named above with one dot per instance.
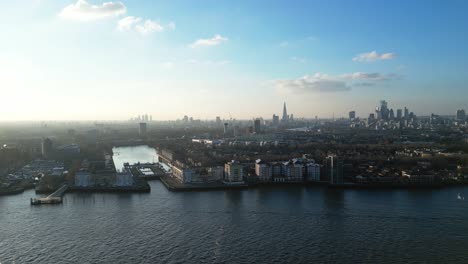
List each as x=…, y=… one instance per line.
x=267, y=225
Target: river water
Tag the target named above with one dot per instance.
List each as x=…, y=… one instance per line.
x=133, y=155
x=264, y=225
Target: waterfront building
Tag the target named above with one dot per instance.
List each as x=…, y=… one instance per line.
x=334, y=169
x=312, y=171
x=181, y=174
x=263, y=170
x=82, y=178
x=292, y=170
x=124, y=178
x=233, y=172
x=421, y=179
x=276, y=171
x=166, y=155
x=216, y=173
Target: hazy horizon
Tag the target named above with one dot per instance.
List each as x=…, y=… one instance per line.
x=101, y=60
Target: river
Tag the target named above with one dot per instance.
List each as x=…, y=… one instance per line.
x=264, y=225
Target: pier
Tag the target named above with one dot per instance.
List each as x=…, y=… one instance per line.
x=54, y=198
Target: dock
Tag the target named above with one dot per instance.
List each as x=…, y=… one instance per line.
x=54, y=198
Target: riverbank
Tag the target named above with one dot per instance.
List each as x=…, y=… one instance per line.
x=17, y=189
x=112, y=189
x=175, y=186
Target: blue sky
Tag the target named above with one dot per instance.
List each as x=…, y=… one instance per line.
x=96, y=60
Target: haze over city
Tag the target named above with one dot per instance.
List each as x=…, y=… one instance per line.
x=97, y=60
x=244, y=131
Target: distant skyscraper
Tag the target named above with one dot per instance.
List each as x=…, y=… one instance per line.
x=142, y=129
x=257, y=126
x=378, y=113
x=352, y=115
x=285, y=114
x=218, y=121
x=406, y=116
x=461, y=115
x=391, y=115
x=384, y=112
x=47, y=147
x=399, y=113
x=275, y=120
x=185, y=119
x=226, y=125
x=235, y=131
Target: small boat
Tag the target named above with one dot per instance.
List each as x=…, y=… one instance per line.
x=460, y=197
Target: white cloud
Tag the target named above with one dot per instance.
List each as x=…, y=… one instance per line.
x=83, y=11
x=317, y=83
x=321, y=83
x=128, y=23
x=149, y=27
x=144, y=28
x=373, y=56
x=365, y=76
x=215, y=40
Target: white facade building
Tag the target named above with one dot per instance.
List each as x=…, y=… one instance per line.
x=233, y=172
x=181, y=174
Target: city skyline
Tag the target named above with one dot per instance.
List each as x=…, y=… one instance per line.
x=101, y=60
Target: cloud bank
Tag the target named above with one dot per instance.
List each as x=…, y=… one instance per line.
x=373, y=56
x=214, y=41
x=83, y=11
x=318, y=83
x=324, y=83
x=143, y=27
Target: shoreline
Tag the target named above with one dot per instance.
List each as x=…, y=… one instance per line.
x=175, y=186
